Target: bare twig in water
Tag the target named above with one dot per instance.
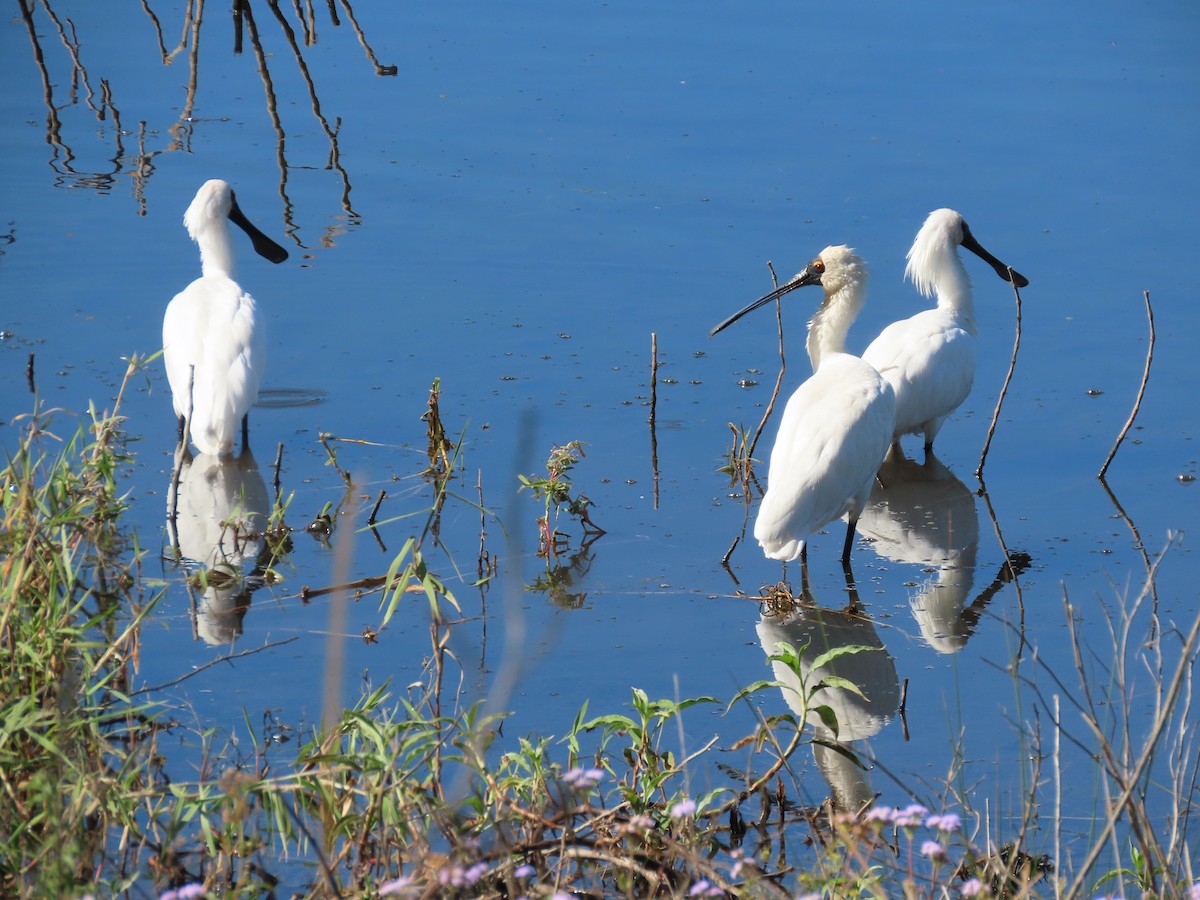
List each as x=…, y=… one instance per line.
x=375, y=508
x=778, y=379
x=181, y=453
x=325, y=438
x=653, y=412
x=1141, y=391
x=29, y=375
x=212, y=662
x=1012, y=364
x=278, y=462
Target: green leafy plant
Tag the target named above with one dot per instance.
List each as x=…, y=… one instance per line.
x=556, y=492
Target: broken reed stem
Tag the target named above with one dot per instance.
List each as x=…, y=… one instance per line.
x=1141, y=391
x=653, y=411
x=1012, y=364
x=375, y=508
x=29, y=379
x=778, y=379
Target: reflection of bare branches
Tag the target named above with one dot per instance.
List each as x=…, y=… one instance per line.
x=96, y=93
x=362, y=38
x=53, y=123
x=1012, y=561
x=331, y=133
x=193, y=58
x=1138, y=544
x=78, y=72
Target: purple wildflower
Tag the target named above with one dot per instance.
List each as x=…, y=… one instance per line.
x=884, y=814
x=705, y=888
x=683, y=809
x=946, y=822
x=525, y=871
x=639, y=823
x=397, y=886
x=972, y=888
x=911, y=816
x=583, y=779
x=933, y=850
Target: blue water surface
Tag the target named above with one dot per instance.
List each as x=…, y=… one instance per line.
x=537, y=190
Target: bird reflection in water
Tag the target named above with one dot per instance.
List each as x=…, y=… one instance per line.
x=922, y=514
x=219, y=529
x=814, y=632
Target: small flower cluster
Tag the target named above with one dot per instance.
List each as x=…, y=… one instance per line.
x=456, y=876
x=405, y=884
x=913, y=816
x=684, y=809
x=187, y=892
x=583, y=779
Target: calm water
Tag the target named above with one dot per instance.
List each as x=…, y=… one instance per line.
x=536, y=191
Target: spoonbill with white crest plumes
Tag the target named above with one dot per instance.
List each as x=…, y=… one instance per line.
x=929, y=359
x=213, y=344
x=837, y=426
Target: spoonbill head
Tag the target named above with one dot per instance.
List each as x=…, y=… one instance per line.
x=929, y=359
x=837, y=426
x=213, y=346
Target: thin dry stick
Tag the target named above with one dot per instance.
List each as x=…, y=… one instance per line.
x=653, y=411
x=181, y=453
x=778, y=380
x=1141, y=390
x=1134, y=777
x=1012, y=364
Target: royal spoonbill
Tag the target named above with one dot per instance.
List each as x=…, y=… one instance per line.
x=837, y=426
x=213, y=345
x=929, y=359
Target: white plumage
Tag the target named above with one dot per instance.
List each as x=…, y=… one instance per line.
x=929, y=359
x=838, y=424
x=213, y=344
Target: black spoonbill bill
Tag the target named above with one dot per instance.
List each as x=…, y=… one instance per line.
x=929, y=359
x=837, y=426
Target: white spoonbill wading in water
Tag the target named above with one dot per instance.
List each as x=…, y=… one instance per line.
x=837, y=426
x=929, y=359
x=213, y=345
